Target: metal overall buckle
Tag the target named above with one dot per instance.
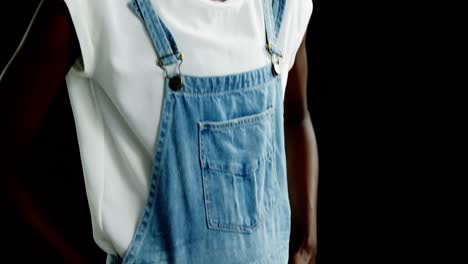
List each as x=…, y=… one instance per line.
x=175, y=81
x=275, y=57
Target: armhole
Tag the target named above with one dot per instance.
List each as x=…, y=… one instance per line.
x=305, y=14
x=81, y=24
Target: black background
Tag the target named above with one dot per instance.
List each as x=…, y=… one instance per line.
x=53, y=162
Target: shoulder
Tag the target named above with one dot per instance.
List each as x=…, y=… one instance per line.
x=296, y=17
x=93, y=21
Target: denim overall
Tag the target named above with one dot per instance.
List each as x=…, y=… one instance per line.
x=218, y=191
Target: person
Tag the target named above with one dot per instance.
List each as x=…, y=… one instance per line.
x=192, y=121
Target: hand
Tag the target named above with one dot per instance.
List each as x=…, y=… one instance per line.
x=304, y=255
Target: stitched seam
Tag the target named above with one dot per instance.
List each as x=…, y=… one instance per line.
x=249, y=120
x=227, y=92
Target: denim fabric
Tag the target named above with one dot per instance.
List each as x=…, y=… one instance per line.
x=218, y=191
x=162, y=38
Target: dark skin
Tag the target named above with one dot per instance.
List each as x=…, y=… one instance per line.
x=302, y=163
x=50, y=50
x=28, y=88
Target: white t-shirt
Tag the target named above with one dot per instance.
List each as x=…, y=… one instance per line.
x=116, y=89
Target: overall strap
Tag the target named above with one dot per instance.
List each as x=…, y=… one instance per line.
x=278, y=11
x=272, y=30
x=166, y=47
x=161, y=37
x=271, y=27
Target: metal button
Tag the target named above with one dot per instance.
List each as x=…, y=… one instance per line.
x=275, y=69
x=175, y=83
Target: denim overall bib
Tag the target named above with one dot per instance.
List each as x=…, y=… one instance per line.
x=218, y=190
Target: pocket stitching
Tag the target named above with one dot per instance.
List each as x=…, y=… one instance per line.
x=237, y=122
x=258, y=219
x=259, y=215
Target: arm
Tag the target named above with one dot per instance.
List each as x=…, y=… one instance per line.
x=302, y=163
x=28, y=87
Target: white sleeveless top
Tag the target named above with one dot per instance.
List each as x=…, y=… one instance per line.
x=116, y=89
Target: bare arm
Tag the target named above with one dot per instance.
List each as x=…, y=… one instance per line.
x=28, y=87
x=302, y=163
x=34, y=77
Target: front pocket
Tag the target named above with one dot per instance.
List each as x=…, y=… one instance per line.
x=239, y=180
